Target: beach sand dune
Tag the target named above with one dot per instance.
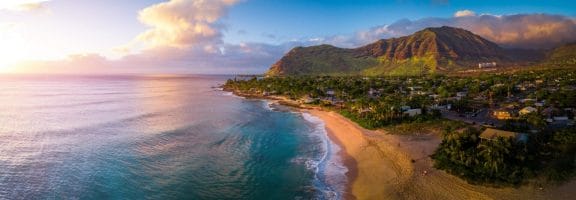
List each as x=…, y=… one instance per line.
x=383, y=166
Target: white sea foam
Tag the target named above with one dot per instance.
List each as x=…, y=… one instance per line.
x=232, y=95
x=329, y=168
x=268, y=105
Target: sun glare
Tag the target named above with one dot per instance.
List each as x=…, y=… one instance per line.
x=12, y=49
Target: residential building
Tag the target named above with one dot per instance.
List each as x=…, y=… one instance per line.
x=413, y=112
x=492, y=134
x=502, y=114
x=528, y=110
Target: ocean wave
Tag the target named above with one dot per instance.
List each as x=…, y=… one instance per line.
x=268, y=105
x=329, y=169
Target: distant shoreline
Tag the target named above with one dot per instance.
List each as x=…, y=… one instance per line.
x=385, y=166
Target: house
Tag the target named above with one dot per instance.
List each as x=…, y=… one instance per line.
x=330, y=92
x=527, y=110
x=486, y=65
x=415, y=88
x=492, y=134
x=439, y=107
x=560, y=118
x=527, y=100
x=404, y=108
x=308, y=100
x=373, y=93
x=502, y=114
x=461, y=94
x=413, y=112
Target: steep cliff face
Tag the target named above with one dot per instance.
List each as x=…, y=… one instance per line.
x=428, y=50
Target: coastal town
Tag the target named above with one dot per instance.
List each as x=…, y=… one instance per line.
x=514, y=121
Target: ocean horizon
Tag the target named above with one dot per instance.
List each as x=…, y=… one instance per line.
x=157, y=137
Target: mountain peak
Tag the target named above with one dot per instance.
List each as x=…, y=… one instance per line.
x=431, y=49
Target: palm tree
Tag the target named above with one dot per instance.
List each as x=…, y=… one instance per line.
x=494, y=153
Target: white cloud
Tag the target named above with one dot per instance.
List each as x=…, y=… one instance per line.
x=22, y=5
x=464, y=13
x=182, y=23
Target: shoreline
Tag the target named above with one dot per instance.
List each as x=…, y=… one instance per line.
x=370, y=170
x=349, y=162
x=386, y=166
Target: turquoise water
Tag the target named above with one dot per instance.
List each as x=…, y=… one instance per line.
x=152, y=137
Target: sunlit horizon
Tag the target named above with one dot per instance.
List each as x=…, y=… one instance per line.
x=243, y=37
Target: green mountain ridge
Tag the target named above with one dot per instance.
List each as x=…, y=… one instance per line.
x=431, y=50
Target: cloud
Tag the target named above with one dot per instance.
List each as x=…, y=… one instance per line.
x=464, y=13
x=182, y=23
x=185, y=36
x=22, y=5
x=531, y=31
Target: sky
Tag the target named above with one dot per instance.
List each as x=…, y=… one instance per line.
x=245, y=36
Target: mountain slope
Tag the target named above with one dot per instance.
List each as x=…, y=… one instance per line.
x=429, y=50
x=564, y=55
x=323, y=59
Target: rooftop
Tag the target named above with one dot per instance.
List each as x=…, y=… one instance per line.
x=491, y=134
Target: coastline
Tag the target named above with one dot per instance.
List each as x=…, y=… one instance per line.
x=372, y=171
x=387, y=166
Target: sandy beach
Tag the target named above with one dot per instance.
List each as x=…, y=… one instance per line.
x=384, y=166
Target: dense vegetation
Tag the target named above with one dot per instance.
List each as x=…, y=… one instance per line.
x=375, y=102
x=506, y=161
x=370, y=111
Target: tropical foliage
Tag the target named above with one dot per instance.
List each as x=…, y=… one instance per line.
x=504, y=161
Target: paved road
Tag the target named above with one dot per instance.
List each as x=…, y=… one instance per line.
x=482, y=116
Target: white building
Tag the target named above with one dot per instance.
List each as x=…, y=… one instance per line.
x=487, y=65
x=413, y=112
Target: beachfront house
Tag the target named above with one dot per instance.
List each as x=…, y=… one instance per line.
x=308, y=100
x=493, y=134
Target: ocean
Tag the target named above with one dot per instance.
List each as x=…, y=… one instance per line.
x=157, y=137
